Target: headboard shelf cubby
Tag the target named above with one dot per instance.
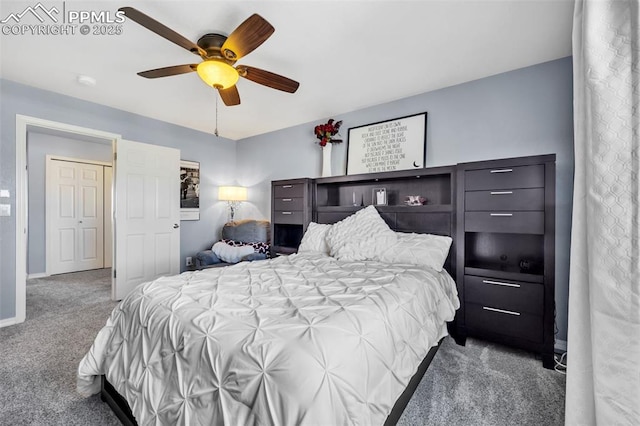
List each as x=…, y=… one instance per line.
x=434, y=184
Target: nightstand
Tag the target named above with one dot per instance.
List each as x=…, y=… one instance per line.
x=291, y=202
x=506, y=252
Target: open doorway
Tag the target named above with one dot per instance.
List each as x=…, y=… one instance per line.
x=29, y=129
x=69, y=203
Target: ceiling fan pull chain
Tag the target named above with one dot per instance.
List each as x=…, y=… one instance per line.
x=216, y=131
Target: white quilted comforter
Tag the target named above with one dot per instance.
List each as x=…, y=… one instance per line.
x=301, y=339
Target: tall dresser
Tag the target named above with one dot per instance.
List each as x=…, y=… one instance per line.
x=506, y=252
x=291, y=202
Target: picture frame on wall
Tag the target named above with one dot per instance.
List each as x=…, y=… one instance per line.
x=397, y=144
x=189, y=190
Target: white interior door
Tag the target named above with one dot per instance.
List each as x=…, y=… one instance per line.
x=108, y=217
x=75, y=228
x=147, y=205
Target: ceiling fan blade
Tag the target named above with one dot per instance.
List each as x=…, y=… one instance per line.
x=230, y=96
x=160, y=29
x=168, y=71
x=249, y=35
x=268, y=79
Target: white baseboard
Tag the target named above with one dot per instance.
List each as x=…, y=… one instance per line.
x=7, y=322
x=560, y=346
x=38, y=275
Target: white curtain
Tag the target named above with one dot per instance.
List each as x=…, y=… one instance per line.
x=603, y=376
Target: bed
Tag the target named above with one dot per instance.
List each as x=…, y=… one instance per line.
x=310, y=338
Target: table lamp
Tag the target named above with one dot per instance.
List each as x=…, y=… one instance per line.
x=233, y=195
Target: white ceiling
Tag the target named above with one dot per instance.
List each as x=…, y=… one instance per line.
x=347, y=55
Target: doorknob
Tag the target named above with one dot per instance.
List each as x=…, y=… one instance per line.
x=176, y=226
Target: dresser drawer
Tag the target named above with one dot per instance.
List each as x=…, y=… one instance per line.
x=288, y=216
x=511, y=199
x=505, y=178
x=290, y=190
x=288, y=204
x=506, y=222
x=489, y=319
x=504, y=294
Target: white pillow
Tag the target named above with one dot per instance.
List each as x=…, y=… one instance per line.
x=314, y=239
x=418, y=249
x=361, y=236
x=231, y=254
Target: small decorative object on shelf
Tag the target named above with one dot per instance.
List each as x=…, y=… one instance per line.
x=325, y=134
x=415, y=200
x=379, y=196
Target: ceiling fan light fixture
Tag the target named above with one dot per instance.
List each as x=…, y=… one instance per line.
x=217, y=74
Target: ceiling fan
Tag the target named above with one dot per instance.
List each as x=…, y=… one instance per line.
x=219, y=53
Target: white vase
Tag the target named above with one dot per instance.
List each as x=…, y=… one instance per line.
x=326, y=160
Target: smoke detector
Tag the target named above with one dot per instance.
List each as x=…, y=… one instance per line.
x=85, y=80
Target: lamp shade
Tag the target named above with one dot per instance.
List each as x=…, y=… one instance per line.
x=232, y=193
x=217, y=74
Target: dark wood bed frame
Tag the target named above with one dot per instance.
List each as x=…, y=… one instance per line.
x=437, y=217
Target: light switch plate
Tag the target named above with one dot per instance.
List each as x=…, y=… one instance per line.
x=5, y=209
x=4, y=193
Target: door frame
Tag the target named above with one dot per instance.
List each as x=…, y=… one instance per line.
x=24, y=124
x=47, y=217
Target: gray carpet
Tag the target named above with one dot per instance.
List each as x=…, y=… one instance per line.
x=479, y=384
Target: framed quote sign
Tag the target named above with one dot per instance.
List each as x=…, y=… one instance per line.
x=398, y=144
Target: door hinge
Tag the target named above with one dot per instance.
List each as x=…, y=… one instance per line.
x=114, y=274
x=115, y=156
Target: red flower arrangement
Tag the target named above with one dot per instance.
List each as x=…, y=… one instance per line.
x=325, y=132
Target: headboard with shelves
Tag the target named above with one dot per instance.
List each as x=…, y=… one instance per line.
x=334, y=200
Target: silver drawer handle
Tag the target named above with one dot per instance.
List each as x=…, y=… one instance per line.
x=286, y=199
x=287, y=186
x=499, y=283
x=502, y=171
x=287, y=213
x=501, y=192
x=501, y=214
x=502, y=311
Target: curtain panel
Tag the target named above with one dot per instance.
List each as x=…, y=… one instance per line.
x=603, y=375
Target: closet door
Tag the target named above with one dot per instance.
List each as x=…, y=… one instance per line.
x=75, y=216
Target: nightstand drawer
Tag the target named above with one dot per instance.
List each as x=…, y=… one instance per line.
x=489, y=319
x=504, y=294
x=288, y=204
x=288, y=216
x=291, y=190
x=506, y=222
x=505, y=178
x=511, y=199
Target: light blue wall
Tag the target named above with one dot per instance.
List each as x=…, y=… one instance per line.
x=217, y=157
x=519, y=113
x=39, y=146
x=524, y=112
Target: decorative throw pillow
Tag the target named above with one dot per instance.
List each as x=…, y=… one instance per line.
x=315, y=238
x=258, y=247
x=230, y=254
x=361, y=236
x=418, y=249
